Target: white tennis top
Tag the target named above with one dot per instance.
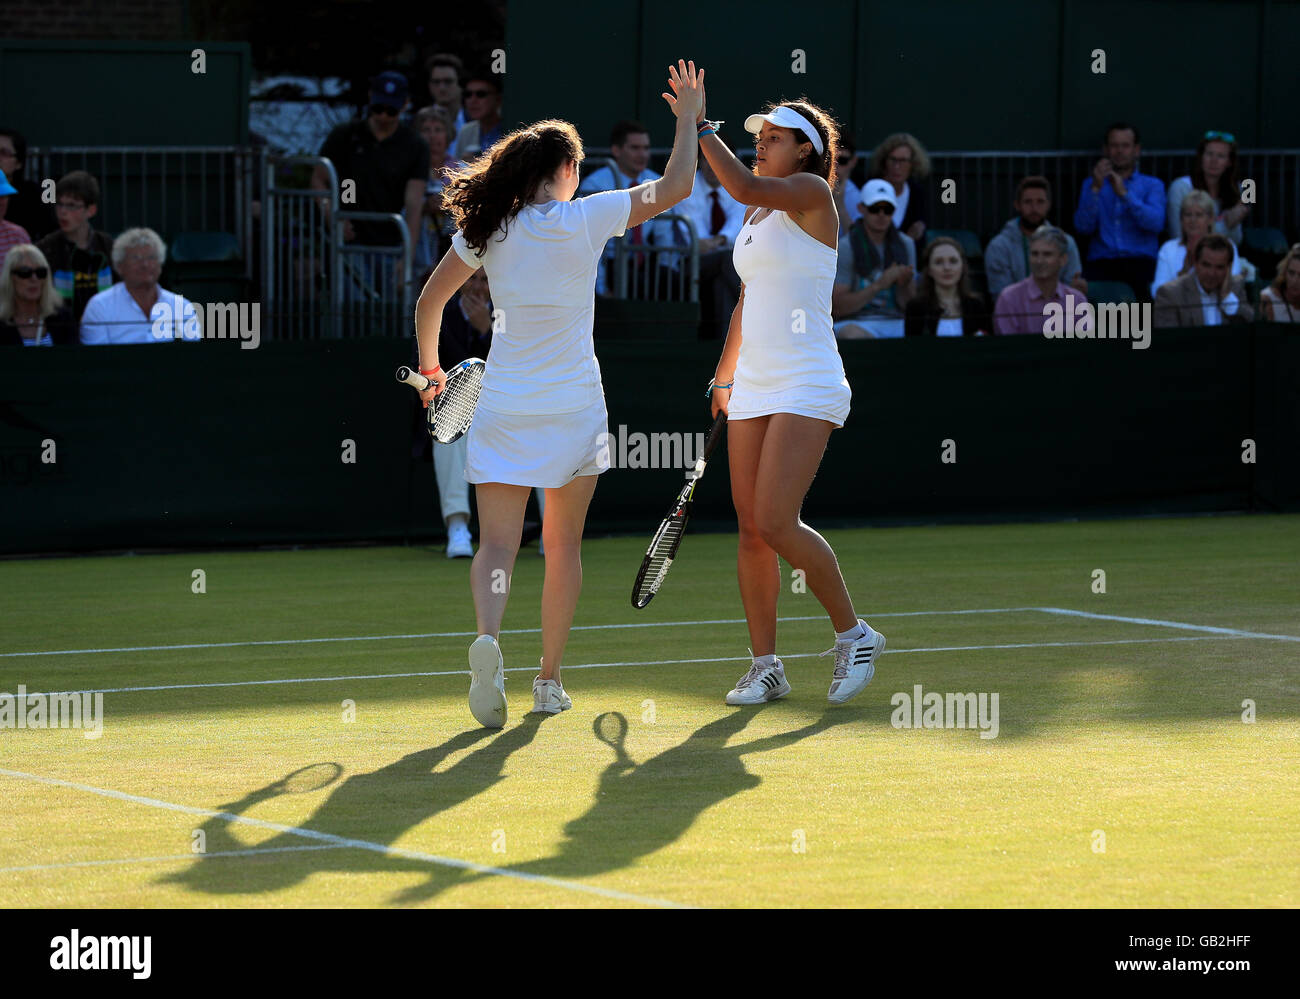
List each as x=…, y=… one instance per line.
x=542, y=277
x=787, y=340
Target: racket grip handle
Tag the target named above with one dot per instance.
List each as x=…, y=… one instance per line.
x=715, y=434
x=414, y=379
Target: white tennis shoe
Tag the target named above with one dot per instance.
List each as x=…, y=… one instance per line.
x=549, y=697
x=760, y=684
x=459, y=542
x=855, y=663
x=487, y=685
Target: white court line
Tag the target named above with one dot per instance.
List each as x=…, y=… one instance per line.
x=361, y=844
x=179, y=856
x=472, y=634
x=1168, y=624
x=647, y=662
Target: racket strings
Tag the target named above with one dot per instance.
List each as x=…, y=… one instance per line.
x=454, y=411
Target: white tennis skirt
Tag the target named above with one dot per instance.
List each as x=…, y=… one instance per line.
x=828, y=402
x=537, y=449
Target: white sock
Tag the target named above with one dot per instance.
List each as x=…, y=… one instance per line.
x=767, y=660
x=857, y=631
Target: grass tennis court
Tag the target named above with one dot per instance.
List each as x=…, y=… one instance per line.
x=651, y=791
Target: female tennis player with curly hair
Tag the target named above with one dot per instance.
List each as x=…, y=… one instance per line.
x=781, y=382
x=541, y=416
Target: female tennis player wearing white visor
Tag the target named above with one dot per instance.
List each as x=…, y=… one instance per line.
x=541, y=415
x=781, y=382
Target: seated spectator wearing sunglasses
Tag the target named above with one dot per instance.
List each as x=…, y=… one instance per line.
x=848, y=196
x=945, y=305
x=388, y=161
x=874, y=273
x=1214, y=171
x=32, y=313
x=483, y=109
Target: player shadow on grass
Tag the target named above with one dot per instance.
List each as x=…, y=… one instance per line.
x=377, y=807
x=641, y=808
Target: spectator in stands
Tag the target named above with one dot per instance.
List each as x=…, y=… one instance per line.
x=26, y=208
x=944, y=304
x=444, y=71
x=1281, y=298
x=874, y=274
x=483, y=111
x=138, y=310
x=31, y=312
x=80, y=257
x=1207, y=296
x=387, y=160
x=717, y=217
x=434, y=126
x=629, y=145
x=1022, y=307
x=1214, y=171
x=1123, y=211
x=1006, y=260
x=848, y=196
x=1177, y=255
x=11, y=235
x=466, y=331
x=902, y=161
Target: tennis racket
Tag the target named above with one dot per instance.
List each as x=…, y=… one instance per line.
x=452, y=409
x=663, y=546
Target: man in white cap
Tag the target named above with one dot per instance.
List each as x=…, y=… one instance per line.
x=875, y=273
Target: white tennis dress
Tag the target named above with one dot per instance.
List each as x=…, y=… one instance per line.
x=541, y=418
x=789, y=361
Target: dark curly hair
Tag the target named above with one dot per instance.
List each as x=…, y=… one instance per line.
x=823, y=163
x=483, y=196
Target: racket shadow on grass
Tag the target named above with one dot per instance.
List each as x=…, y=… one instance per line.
x=378, y=807
x=641, y=808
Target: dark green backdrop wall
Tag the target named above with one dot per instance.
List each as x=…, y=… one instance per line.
x=206, y=444
x=997, y=74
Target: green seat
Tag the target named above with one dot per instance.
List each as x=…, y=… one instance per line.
x=1110, y=291
x=205, y=248
x=967, y=240
x=1264, y=239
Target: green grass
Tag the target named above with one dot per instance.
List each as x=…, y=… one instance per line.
x=699, y=804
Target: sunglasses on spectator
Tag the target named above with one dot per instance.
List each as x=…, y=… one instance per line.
x=478, y=93
x=884, y=208
x=387, y=109
x=31, y=272
x=843, y=160
x=1223, y=136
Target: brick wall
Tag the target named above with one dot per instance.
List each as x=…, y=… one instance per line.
x=120, y=20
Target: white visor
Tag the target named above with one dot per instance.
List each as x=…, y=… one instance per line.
x=786, y=118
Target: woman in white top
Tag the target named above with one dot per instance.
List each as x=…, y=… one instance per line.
x=541, y=418
x=1214, y=171
x=1177, y=255
x=1281, y=297
x=781, y=382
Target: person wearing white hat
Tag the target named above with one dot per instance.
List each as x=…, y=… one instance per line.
x=874, y=279
x=781, y=383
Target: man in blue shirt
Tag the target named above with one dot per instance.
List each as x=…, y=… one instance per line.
x=1123, y=211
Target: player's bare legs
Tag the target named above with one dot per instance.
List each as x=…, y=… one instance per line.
x=791, y=453
x=756, y=561
x=501, y=525
x=562, y=524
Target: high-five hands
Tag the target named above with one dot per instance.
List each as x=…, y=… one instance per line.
x=687, y=98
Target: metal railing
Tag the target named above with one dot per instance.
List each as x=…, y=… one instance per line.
x=302, y=295
x=659, y=272
x=170, y=189
x=376, y=280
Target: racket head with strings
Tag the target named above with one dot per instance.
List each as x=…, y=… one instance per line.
x=668, y=538
x=307, y=779
x=452, y=410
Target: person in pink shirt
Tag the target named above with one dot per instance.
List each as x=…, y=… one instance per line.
x=1022, y=307
x=11, y=235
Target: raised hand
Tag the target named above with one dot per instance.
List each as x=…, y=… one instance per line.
x=687, y=99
